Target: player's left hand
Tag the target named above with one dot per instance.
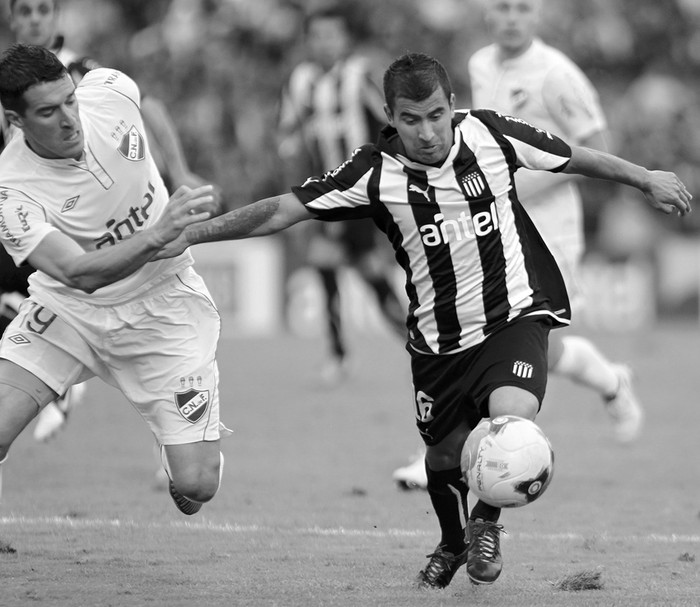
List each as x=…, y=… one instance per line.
x=666, y=192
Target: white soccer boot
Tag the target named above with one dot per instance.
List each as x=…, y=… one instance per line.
x=53, y=416
x=412, y=476
x=624, y=408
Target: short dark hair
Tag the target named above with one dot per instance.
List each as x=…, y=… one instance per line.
x=415, y=76
x=23, y=66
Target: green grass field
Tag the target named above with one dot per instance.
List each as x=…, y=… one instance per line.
x=308, y=515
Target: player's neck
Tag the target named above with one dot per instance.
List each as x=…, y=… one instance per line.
x=508, y=53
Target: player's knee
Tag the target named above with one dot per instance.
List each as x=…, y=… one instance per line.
x=510, y=400
x=17, y=408
x=199, y=483
x=447, y=454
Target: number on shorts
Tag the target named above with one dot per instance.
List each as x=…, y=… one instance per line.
x=36, y=323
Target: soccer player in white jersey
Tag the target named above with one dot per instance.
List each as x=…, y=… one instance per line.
x=36, y=22
x=519, y=74
x=81, y=200
x=483, y=289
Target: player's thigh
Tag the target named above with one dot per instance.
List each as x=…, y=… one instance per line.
x=166, y=364
x=512, y=400
x=22, y=395
x=45, y=345
x=512, y=369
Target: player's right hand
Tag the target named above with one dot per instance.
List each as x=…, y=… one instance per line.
x=185, y=207
x=667, y=193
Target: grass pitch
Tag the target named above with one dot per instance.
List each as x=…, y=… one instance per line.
x=308, y=516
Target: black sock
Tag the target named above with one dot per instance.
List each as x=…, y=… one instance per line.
x=448, y=493
x=484, y=511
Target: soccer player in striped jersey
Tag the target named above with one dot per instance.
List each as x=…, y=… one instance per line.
x=81, y=200
x=519, y=74
x=483, y=289
x=36, y=22
x=330, y=106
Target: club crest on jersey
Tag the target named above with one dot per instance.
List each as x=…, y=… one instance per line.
x=132, y=145
x=192, y=404
x=474, y=184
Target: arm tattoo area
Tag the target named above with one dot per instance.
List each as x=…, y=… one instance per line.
x=235, y=224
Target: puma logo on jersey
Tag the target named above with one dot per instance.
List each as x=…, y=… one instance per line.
x=414, y=188
x=464, y=226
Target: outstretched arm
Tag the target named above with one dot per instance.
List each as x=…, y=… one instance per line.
x=663, y=190
x=260, y=218
x=64, y=259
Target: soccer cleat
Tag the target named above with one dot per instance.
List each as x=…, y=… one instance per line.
x=484, y=562
x=441, y=568
x=49, y=421
x=413, y=475
x=184, y=504
x=624, y=409
x=53, y=417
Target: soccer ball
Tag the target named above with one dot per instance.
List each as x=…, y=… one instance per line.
x=507, y=461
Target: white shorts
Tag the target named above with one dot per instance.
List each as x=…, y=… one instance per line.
x=159, y=350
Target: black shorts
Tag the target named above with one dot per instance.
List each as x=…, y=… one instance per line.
x=452, y=388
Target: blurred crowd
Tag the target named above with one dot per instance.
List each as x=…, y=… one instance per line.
x=220, y=66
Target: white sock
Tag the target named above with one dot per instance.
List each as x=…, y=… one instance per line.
x=584, y=364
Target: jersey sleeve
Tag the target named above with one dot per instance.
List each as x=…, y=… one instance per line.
x=573, y=103
x=532, y=147
x=113, y=80
x=343, y=192
x=24, y=224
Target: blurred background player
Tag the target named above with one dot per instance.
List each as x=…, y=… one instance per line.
x=518, y=74
x=36, y=22
x=331, y=105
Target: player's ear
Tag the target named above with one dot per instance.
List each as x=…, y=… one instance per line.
x=13, y=118
x=389, y=114
x=452, y=105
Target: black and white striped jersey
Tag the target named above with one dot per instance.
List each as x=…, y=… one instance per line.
x=473, y=259
x=333, y=112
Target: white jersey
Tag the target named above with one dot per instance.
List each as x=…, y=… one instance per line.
x=107, y=196
x=545, y=88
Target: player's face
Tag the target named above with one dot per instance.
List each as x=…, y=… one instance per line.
x=34, y=22
x=328, y=40
x=425, y=127
x=513, y=23
x=51, y=123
